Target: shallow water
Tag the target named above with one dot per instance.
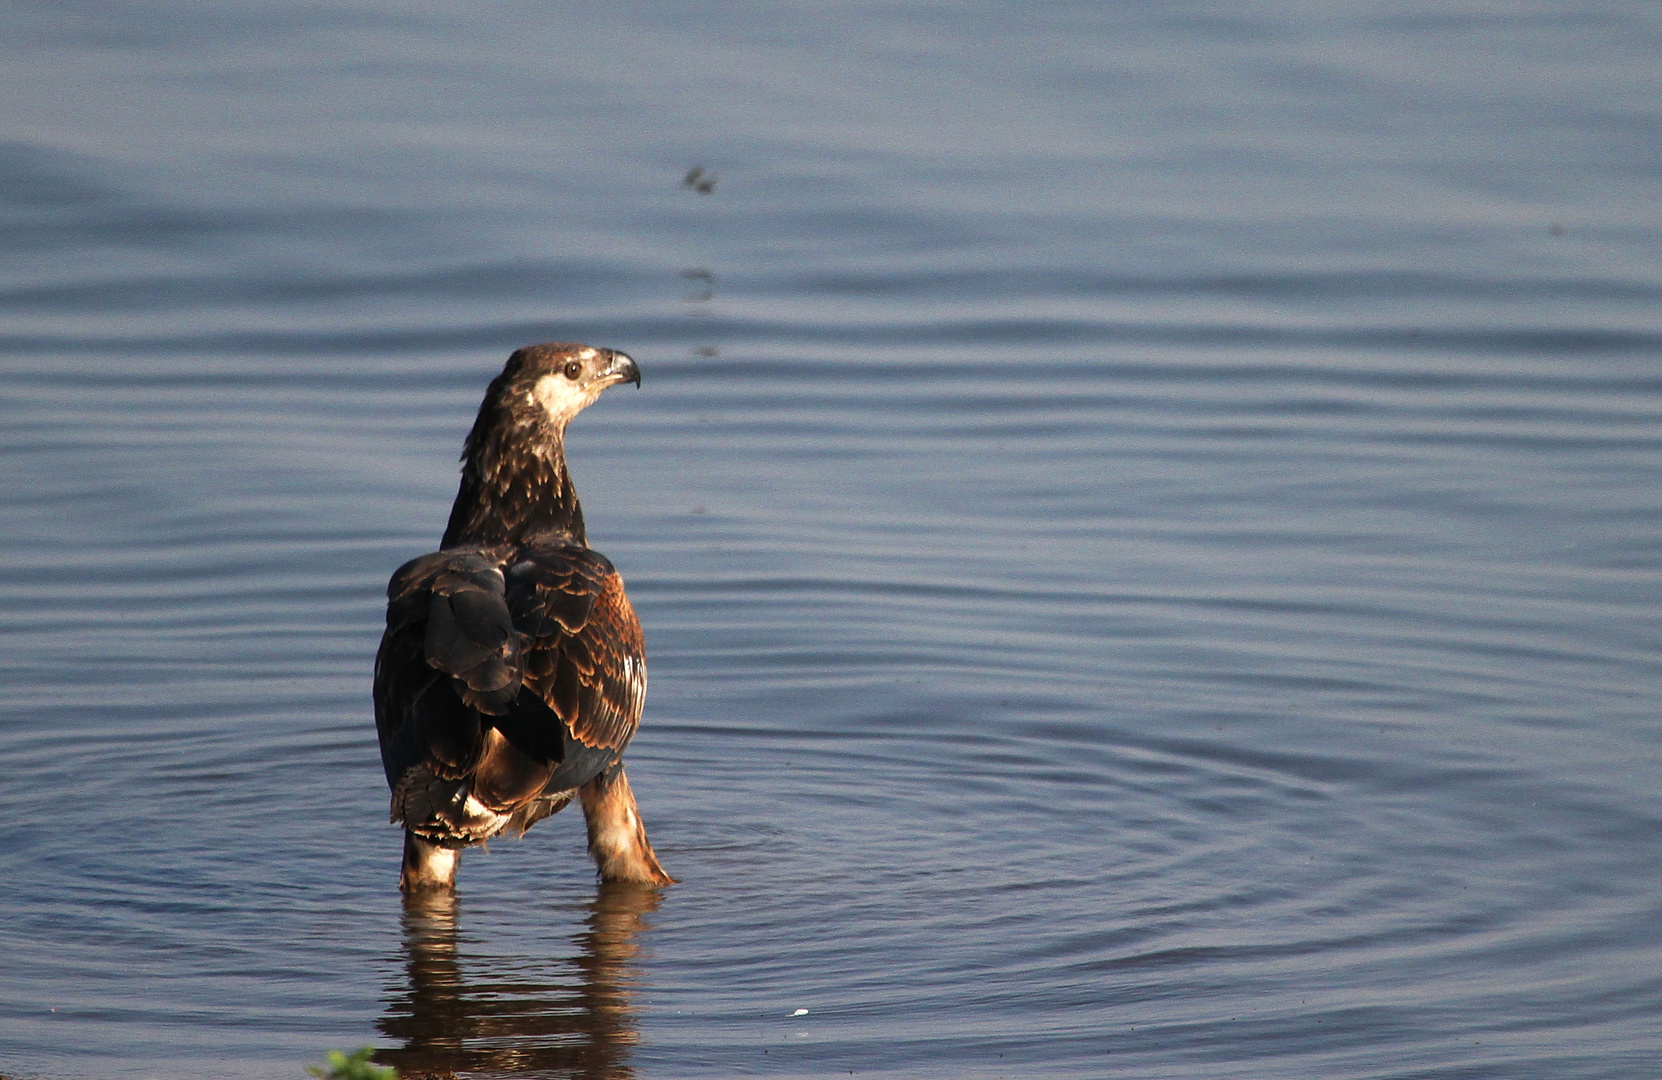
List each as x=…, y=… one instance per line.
x=1146, y=521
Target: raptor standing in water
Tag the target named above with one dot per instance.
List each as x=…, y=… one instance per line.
x=512, y=671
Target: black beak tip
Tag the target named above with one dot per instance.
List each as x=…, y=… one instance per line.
x=625, y=368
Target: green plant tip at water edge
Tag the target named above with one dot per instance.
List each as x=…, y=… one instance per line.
x=355, y=1066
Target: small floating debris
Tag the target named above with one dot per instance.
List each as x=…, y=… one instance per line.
x=800, y=1012
x=700, y=180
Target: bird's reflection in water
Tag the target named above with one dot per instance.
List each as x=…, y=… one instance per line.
x=484, y=1016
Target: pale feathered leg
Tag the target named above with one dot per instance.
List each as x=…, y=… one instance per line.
x=617, y=838
x=427, y=866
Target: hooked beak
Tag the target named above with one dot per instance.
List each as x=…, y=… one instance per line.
x=621, y=370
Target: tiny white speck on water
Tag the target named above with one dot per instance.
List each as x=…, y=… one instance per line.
x=800, y=1012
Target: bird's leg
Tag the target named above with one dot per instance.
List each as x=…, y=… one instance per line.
x=617, y=838
x=427, y=865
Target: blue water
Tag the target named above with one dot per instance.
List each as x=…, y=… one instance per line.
x=1146, y=519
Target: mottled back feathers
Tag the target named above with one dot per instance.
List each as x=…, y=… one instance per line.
x=520, y=670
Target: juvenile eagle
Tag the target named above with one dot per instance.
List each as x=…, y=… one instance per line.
x=512, y=671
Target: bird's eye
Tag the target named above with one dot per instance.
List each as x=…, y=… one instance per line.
x=573, y=369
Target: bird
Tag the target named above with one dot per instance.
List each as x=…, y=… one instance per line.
x=512, y=672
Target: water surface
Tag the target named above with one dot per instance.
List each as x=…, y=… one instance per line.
x=1146, y=521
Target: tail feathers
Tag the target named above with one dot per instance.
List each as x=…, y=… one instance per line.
x=443, y=811
x=506, y=775
x=450, y=813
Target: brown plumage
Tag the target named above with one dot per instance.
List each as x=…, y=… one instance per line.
x=512, y=672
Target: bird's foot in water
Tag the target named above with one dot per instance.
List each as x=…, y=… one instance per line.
x=427, y=865
x=617, y=837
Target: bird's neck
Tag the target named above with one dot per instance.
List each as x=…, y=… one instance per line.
x=512, y=490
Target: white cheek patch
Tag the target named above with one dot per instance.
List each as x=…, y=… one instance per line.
x=560, y=397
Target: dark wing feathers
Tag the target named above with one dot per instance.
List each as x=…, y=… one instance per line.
x=594, y=675
x=470, y=633
x=608, y=666
x=553, y=589
x=447, y=729
x=522, y=667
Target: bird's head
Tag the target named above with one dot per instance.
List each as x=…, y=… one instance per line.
x=527, y=406
x=563, y=379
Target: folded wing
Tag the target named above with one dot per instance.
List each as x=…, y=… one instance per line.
x=507, y=677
